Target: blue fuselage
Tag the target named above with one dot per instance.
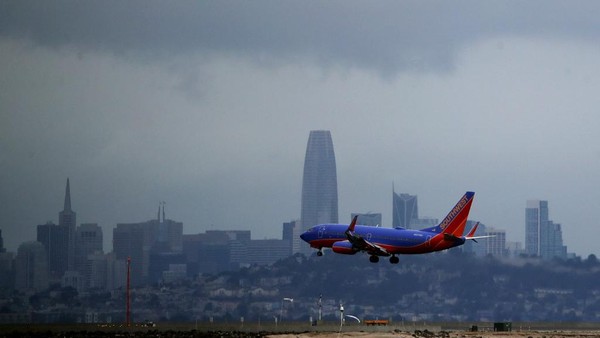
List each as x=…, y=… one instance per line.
x=393, y=240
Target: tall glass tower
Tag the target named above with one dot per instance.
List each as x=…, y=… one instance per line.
x=536, y=219
x=543, y=237
x=406, y=210
x=319, y=183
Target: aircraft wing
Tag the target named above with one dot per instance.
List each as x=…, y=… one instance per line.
x=375, y=249
x=364, y=245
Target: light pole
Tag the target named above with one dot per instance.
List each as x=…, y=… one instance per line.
x=320, y=308
x=291, y=300
x=341, y=316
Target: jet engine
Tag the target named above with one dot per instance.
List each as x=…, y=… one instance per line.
x=343, y=247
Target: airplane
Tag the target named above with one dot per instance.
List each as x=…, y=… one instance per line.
x=389, y=242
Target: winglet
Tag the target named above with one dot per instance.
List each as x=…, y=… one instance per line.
x=472, y=232
x=352, y=224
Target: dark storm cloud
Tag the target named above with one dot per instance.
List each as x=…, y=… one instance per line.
x=386, y=36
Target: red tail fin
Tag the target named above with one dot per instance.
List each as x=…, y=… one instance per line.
x=454, y=223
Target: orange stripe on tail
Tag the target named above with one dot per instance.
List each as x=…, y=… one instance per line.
x=456, y=220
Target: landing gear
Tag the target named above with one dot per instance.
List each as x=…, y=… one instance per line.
x=394, y=260
x=320, y=253
x=374, y=259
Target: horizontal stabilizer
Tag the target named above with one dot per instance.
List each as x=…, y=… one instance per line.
x=475, y=238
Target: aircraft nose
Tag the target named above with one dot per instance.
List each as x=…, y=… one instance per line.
x=304, y=237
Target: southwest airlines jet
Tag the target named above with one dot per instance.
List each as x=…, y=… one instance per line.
x=389, y=242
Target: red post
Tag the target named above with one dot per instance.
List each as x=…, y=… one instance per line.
x=128, y=318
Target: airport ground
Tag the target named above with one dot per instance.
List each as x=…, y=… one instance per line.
x=303, y=330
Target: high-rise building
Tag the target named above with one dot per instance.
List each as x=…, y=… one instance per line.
x=371, y=219
x=31, y=267
x=6, y=267
x=496, y=245
x=536, y=214
x=543, y=238
x=319, y=182
x=266, y=251
x=68, y=218
x=96, y=271
x=88, y=245
x=216, y=250
x=1, y=242
x=480, y=248
x=139, y=240
x=7, y=272
x=291, y=233
x=405, y=210
x=55, y=239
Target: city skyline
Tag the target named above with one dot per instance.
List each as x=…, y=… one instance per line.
x=543, y=237
x=206, y=105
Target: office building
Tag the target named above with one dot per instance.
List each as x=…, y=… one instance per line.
x=495, y=245
x=405, y=211
x=543, y=238
x=478, y=248
x=139, y=240
x=1, y=243
x=319, y=183
x=55, y=239
x=422, y=223
x=266, y=251
x=31, y=267
x=96, y=271
x=6, y=267
x=7, y=273
x=116, y=272
x=291, y=233
x=371, y=219
x=88, y=244
x=215, y=250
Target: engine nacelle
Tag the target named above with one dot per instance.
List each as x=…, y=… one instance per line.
x=343, y=247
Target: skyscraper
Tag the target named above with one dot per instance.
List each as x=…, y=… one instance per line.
x=55, y=239
x=319, y=183
x=31, y=267
x=543, y=238
x=406, y=210
x=142, y=241
x=536, y=216
x=291, y=233
x=369, y=218
x=496, y=245
x=1, y=242
x=88, y=246
x=68, y=218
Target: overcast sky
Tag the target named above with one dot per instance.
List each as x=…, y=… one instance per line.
x=207, y=105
